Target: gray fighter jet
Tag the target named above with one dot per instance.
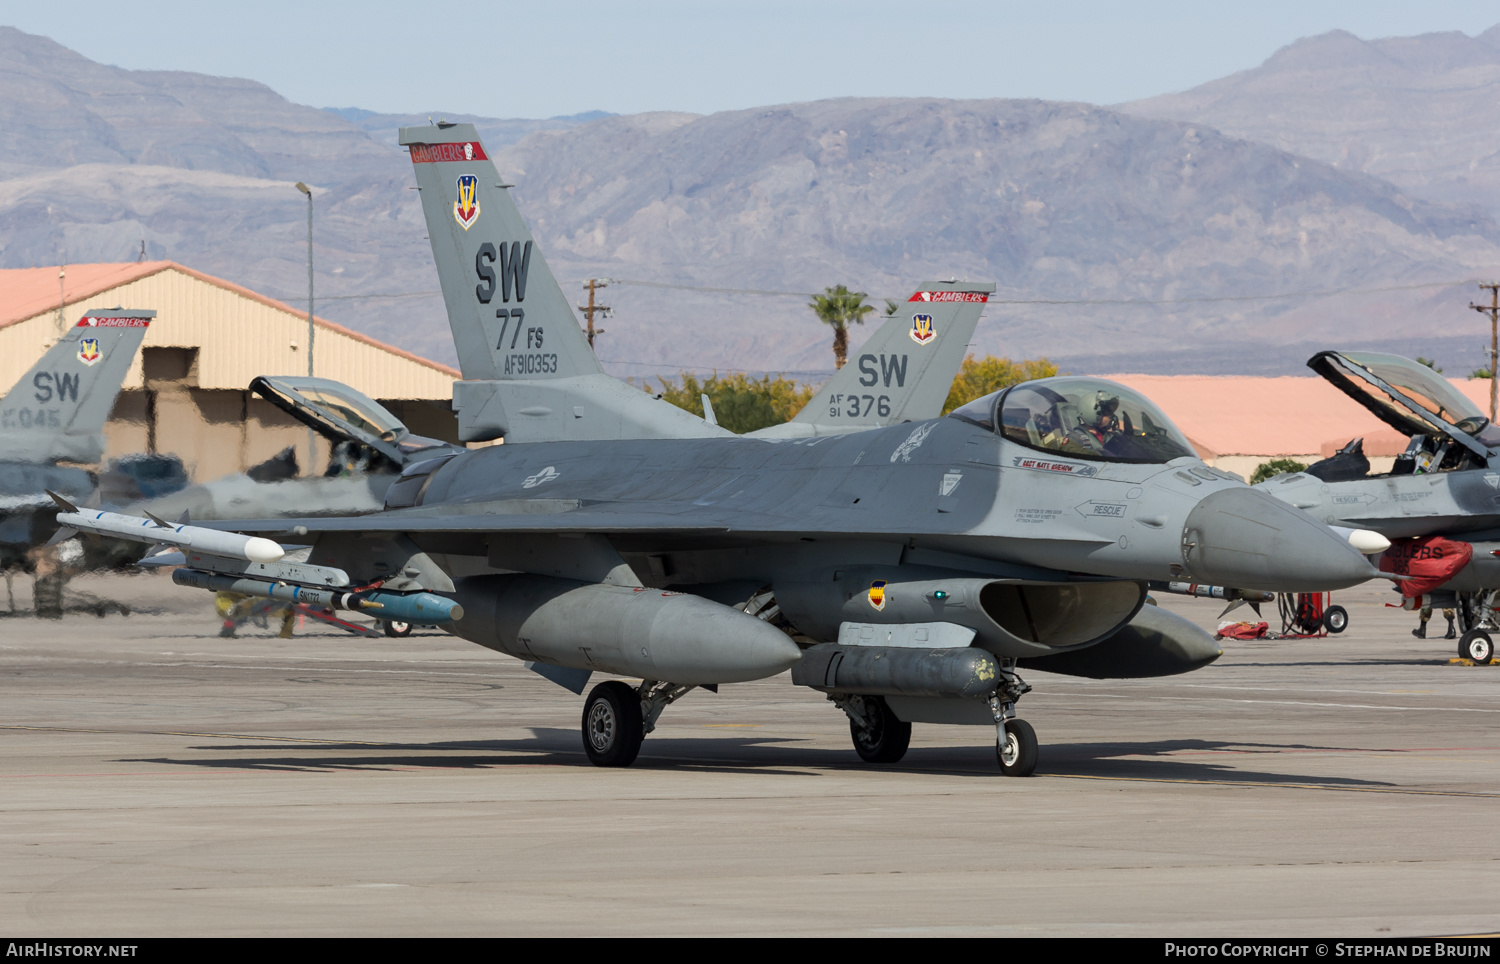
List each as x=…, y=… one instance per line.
x=1446, y=483
x=909, y=572
x=56, y=414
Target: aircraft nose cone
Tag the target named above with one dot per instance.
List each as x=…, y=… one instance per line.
x=1249, y=540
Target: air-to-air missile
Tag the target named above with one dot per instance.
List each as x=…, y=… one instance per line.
x=253, y=566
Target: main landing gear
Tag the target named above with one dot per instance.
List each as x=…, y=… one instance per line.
x=879, y=737
x=617, y=717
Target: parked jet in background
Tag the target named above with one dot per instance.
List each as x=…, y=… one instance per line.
x=56, y=414
x=890, y=569
x=1446, y=484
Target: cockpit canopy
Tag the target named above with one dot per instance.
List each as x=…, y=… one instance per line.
x=1408, y=396
x=1079, y=417
x=342, y=414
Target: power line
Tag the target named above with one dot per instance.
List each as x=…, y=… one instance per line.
x=764, y=292
x=820, y=372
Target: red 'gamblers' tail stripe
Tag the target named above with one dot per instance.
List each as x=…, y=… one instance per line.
x=435, y=153
x=931, y=296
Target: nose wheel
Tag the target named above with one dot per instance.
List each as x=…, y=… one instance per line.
x=1015, y=740
x=1477, y=646
x=1017, y=749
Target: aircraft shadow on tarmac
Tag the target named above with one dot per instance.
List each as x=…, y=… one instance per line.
x=771, y=754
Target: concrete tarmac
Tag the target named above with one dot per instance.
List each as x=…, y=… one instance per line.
x=156, y=779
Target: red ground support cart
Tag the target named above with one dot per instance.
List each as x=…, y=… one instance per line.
x=1310, y=615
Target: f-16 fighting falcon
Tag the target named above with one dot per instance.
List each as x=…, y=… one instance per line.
x=1439, y=503
x=56, y=414
x=908, y=572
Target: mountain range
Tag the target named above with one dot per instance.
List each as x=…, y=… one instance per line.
x=1168, y=235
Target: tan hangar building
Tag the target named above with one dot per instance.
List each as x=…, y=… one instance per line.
x=186, y=392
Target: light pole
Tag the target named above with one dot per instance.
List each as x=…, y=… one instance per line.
x=311, y=441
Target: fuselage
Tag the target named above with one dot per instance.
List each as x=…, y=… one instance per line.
x=943, y=486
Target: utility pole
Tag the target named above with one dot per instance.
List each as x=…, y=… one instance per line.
x=62, y=299
x=1493, y=310
x=312, y=444
x=588, y=310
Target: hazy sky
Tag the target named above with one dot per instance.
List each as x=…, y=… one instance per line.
x=542, y=59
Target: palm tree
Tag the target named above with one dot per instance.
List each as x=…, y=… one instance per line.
x=839, y=307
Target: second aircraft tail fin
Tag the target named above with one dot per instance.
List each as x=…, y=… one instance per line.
x=904, y=372
x=58, y=409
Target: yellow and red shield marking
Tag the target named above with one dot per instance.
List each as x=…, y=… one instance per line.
x=877, y=594
x=466, y=208
x=921, y=329
x=88, y=350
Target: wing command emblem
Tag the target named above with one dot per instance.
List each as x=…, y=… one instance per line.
x=466, y=208
x=88, y=350
x=921, y=329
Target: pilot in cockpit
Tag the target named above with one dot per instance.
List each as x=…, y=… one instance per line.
x=1098, y=423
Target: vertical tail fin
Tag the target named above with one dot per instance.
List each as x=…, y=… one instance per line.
x=905, y=370
x=510, y=319
x=58, y=409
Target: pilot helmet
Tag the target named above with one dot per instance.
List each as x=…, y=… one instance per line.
x=1104, y=407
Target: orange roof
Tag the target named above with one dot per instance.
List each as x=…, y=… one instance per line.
x=28, y=292
x=1289, y=415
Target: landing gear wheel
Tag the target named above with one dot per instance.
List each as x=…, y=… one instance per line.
x=1019, y=751
x=1476, y=645
x=612, y=725
x=395, y=627
x=1335, y=619
x=887, y=738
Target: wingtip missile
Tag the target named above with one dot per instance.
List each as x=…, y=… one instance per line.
x=152, y=530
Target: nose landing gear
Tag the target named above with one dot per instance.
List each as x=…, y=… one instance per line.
x=1015, y=740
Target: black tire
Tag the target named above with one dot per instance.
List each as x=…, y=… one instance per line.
x=1335, y=619
x=887, y=740
x=612, y=726
x=394, y=627
x=1477, y=646
x=1018, y=754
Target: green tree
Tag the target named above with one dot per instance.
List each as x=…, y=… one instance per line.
x=741, y=403
x=838, y=307
x=1275, y=467
x=1481, y=373
x=1429, y=363
x=978, y=377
